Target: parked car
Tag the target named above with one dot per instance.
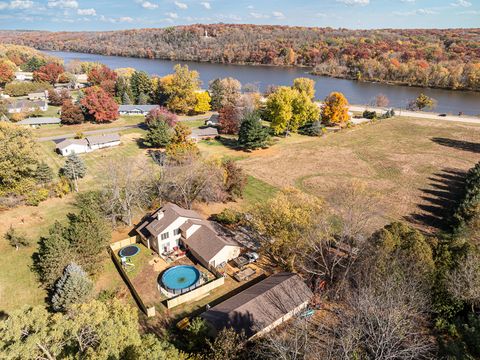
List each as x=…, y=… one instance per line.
x=442, y=115
x=245, y=259
x=252, y=257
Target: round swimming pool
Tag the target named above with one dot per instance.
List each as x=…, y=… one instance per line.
x=181, y=278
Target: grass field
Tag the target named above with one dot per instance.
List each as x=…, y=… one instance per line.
x=407, y=162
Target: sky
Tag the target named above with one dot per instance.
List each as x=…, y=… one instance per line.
x=80, y=15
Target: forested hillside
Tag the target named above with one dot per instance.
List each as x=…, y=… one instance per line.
x=447, y=58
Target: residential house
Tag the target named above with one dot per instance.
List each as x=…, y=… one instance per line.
x=19, y=106
x=135, y=109
x=172, y=227
x=203, y=133
x=39, y=121
x=42, y=95
x=262, y=307
x=214, y=120
x=23, y=76
x=90, y=143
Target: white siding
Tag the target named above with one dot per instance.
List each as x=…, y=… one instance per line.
x=105, y=145
x=74, y=148
x=172, y=240
x=228, y=253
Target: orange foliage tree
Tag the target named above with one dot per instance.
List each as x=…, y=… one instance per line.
x=104, y=77
x=6, y=73
x=48, y=73
x=335, y=109
x=100, y=104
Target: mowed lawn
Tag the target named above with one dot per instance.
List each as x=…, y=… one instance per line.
x=402, y=160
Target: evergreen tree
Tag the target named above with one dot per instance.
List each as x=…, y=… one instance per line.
x=74, y=169
x=44, y=173
x=15, y=238
x=126, y=99
x=140, y=83
x=74, y=287
x=89, y=235
x=54, y=253
x=252, y=134
x=159, y=134
x=143, y=99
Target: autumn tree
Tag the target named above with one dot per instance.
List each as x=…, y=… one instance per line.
x=71, y=113
x=224, y=92
x=100, y=105
x=381, y=100
x=252, y=134
x=464, y=280
x=58, y=97
x=102, y=76
x=6, y=73
x=305, y=86
x=161, y=114
x=48, y=73
x=203, y=102
x=422, y=102
x=335, y=109
x=229, y=119
x=235, y=179
x=181, y=88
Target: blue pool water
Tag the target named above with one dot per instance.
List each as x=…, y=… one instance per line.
x=180, y=277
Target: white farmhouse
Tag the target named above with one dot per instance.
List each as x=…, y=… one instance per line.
x=90, y=143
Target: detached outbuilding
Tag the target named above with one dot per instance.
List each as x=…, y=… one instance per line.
x=262, y=307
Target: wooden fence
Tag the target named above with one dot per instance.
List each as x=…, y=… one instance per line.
x=196, y=293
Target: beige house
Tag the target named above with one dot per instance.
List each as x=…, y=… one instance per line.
x=262, y=307
x=172, y=227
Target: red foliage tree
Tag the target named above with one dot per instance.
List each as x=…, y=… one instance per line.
x=6, y=73
x=57, y=98
x=104, y=77
x=161, y=113
x=229, y=119
x=100, y=104
x=71, y=113
x=48, y=73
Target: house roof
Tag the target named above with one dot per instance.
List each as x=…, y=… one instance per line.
x=154, y=226
x=260, y=305
x=205, y=131
x=103, y=139
x=67, y=142
x=39, y=121
x=206, y=243
x=25, y=104
x=136, y=107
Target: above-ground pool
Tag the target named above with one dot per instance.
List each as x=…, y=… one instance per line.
x=180, y=279
x=130, y=250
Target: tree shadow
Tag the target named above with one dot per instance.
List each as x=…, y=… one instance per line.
x=229, y=143
x=439, y=200
x=458, y=144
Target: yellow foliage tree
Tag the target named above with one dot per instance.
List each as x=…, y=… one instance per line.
x=203, y=102
x=335, y=109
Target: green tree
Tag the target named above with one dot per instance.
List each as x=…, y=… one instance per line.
x=44, y=173
x=152, y=347
x=143, y=99
x=196, y=334
x=33, y=64
x=89, y=234
x=140, y=83
x=54, y=254
x=74, y=287
x=252, y=135
x=227, y=345
x=181, y=88
x=305, y=86
x=159, y=134
x=18, y=157
x=15, y=238
x=74, y=169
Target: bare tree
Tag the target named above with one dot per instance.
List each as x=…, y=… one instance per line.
x=464, y=281
x=126, y=189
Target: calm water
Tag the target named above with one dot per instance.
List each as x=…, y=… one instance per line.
x=356, y=92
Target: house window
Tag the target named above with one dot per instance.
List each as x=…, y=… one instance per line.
x=164, y=236
x=176, y=232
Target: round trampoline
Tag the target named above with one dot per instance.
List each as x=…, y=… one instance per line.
x=181, y=278
x=129, y=251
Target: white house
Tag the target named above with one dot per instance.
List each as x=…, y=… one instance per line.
x=90, y=143
x=23, y=76
x=135, y=109
x=172, y=227
x=26, y=106
x=39, y=121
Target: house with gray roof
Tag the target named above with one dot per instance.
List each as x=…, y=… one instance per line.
x=135, y=109
x=261, y=307
x=88, y=144
x=18, y=106
x=39, y=121
x=172, y=227
x=203, y=133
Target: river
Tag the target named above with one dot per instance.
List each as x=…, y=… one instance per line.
x=357, y=92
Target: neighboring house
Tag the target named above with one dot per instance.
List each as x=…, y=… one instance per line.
x=39, y=121
x=23, y=76
x=214, y=120
x=203, y=133
x=90, y=143
x=172, y=227
x=135, y=109
x=26, y=106
x=262, y=307
x=38, y=95
x=81, y=78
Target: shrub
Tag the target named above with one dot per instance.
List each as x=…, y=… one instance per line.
x=35, y=197
x=369, y=114
x=21, y=88
x=228, y=217
x=315, y=128
x=16, y=239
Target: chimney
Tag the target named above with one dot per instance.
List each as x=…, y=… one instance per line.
x=160, y=215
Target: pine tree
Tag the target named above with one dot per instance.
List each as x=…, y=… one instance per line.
x=159, y=134
x=143, y=99
x=89, y=235
x=126, y=99
x=252, y=134
x=140, y=83
x=44, y=173
x=74, y=287
x=74, y=169
x=54, y=253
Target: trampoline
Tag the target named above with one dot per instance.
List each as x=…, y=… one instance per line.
x=129, y=251
x=180, y=279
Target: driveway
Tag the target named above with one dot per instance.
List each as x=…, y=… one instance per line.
x=91, y=132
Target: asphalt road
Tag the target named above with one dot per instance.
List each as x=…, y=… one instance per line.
x=91, y=132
